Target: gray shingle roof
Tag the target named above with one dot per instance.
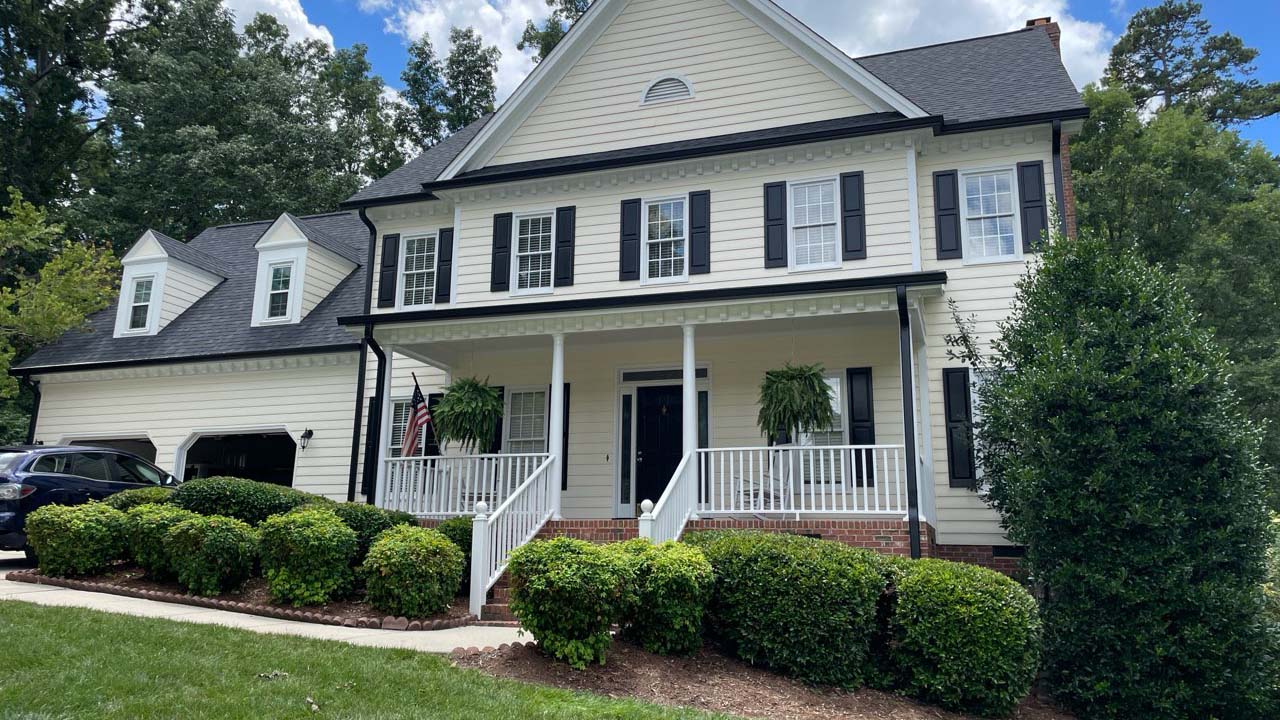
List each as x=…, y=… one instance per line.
x=986, y=78
x=408, y=178
x=179, y=250
x=218, y=323
x=355, y=254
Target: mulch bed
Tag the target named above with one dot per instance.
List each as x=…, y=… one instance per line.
x=714, y=682
x=254, y=599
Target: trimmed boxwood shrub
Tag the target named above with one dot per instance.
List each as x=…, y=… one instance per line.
x=458, y=530
x=246, y=500
x=212, y=554
x=368, y=522
x=883, y=673
x=567, y=593
x=667, y=588
x=306, y=556
x=412, y=572
x=128, y=499
x=148, y=535
x=964, y=637
x=802, y=606
x=77, y=539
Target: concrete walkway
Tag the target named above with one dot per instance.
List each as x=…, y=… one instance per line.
x=439, y=641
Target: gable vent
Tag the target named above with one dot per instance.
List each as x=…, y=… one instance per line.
x=666, y=90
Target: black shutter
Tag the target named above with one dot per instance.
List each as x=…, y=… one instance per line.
x=387, y=271
x=500, y=271
x=700, y=232
x=564, y=443
x=775, y=225
x=496, y=446
x=444, y=267
x=853, y=215
x=958, y=408
x=566, y=230
x=1035, y=207
x=629, y=243
x=862, y=422
x=946, y=214
x=431, y=444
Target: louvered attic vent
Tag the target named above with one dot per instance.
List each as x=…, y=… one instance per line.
x=666, y=90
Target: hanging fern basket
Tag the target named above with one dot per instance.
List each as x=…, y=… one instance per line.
x=794, y=399
x=468, y=415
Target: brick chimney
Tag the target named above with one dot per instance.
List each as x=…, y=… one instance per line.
x=1051, y=27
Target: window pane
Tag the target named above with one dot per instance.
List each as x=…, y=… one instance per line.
x=665, y=239
x=526, y=422
x=138, y=317
x=533, y=252
x=280, y=277
x=278, y=304
x=419, y=280
x=813, y=218
x=142, y=291
x=989, y=215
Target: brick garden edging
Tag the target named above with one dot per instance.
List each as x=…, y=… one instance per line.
x=462, y=652
x=385, y=623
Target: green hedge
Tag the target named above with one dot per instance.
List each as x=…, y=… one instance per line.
x=129, y=499
x=245, y=500
x=368, y=522
x=567, y=593
x=1271, y=587
x=802, y=606
x=458, y=530
x=964, y=637
x=212, y=554
x=667, y=588
x=412, y=572
x=77, y=539
x=148, y=535
x=306, y=556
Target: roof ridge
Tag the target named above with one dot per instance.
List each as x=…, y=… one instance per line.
x=245, y=223
x=946, y=42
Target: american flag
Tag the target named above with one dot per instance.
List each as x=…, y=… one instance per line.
x=419, y=418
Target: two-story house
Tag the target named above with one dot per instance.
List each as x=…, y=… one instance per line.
x=681, y=197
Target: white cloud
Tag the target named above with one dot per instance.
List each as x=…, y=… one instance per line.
x=288, y=12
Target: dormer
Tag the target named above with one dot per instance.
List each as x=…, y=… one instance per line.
x=162, y=278
x=298, y=266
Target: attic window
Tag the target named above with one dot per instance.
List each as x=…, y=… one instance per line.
x=667, y=89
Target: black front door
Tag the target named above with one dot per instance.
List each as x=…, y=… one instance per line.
x=659, y=441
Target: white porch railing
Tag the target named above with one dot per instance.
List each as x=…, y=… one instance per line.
x=666, y=520
x=448, y=486
x=831, y=480
x=515, y=522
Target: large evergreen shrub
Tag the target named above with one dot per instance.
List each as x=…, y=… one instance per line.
x=307, y=555
x=148, y=534
x=77, y=539
x=666, y=591
x=1112, y=447
x=128, y=499
x=247, y=500
x=412, y=572
x=212, y=554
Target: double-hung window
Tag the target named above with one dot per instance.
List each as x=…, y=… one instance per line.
x=399, y=419
x=990, y=216
x=140, y=304
x=281, y=279
x=526, y=422
x=819, y=466
x=418, y=271
x=665, y=241
x=814, y=225
x=535, y=247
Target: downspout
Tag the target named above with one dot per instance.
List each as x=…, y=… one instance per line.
x=373, y=438
x=35, y=410
x=1058, y=190
x=909, y=421
x=357, y=421
x=367, y=344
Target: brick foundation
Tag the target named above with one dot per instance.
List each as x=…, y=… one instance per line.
x=596, y=531
x=886, y=536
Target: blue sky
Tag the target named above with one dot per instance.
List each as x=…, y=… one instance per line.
x=864, y=26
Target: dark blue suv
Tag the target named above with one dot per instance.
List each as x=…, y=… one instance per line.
x=37, y=475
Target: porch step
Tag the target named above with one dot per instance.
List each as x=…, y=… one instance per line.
x=497, y=612
x=500, y=593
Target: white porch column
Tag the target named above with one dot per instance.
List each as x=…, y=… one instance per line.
x=689, y=384
x=555, y=433
x=384, y=439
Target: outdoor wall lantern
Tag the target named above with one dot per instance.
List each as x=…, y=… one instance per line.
x=306, y=437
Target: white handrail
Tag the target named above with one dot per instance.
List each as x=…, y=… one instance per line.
x=450, y=485
x=666, y=520
x=516, y=521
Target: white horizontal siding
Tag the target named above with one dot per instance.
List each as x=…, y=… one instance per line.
x=183, y=286
x=324, y=270
x=403, y=368
x=743, y=78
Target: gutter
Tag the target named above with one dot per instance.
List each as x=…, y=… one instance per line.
x=373, y=438
x=111, y=364
x=368, y=264
x=35, y=410
x=1058, y=191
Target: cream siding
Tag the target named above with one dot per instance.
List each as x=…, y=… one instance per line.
x=183, y=287
x=324, y=270
x=431, y=379
x=743, y=79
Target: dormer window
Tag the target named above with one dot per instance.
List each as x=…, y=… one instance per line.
x=140, y=307
x=278, y=293
x=667, y=89
x=298, y=266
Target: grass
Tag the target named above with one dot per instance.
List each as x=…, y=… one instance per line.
x=73, y=663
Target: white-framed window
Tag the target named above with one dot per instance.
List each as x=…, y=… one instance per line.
x=418, y=270
x=990, y=228
x=666, y=246
x=140, y=304
x=525, y=425
x=534, y=245
x=820, y=467
x=815, y=224
x=279, y=290
x=399, y=419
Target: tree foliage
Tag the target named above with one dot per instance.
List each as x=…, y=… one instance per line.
x=564, y=13
x=422, y=119
x=469, y=74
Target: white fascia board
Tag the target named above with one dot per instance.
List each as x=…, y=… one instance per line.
x=146, y=249
x=283, y=233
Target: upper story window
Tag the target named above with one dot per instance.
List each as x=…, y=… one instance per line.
x=990, y=227
x=667, y=89
x=526, y=421
x=418, y=271
x=534, y=247
x=665, y=240
x=814, y=225
x=140, y=304
x=278, y=293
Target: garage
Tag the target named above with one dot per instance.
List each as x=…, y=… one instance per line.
x=141, y=447
x=266, y=457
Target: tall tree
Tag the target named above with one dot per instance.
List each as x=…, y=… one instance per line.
x=422, y=118
x=469, y=73
x=1168, y=54
x=564, y=13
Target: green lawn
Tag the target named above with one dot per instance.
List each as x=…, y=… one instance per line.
x=72, y=663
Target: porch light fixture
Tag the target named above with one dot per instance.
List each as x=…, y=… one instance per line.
x=306, y=437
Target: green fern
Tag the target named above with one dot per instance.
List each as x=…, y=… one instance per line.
x=794, y=399
x=468, y=414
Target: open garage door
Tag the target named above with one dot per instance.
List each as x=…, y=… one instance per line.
x=266, y=457
x=143, y=448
